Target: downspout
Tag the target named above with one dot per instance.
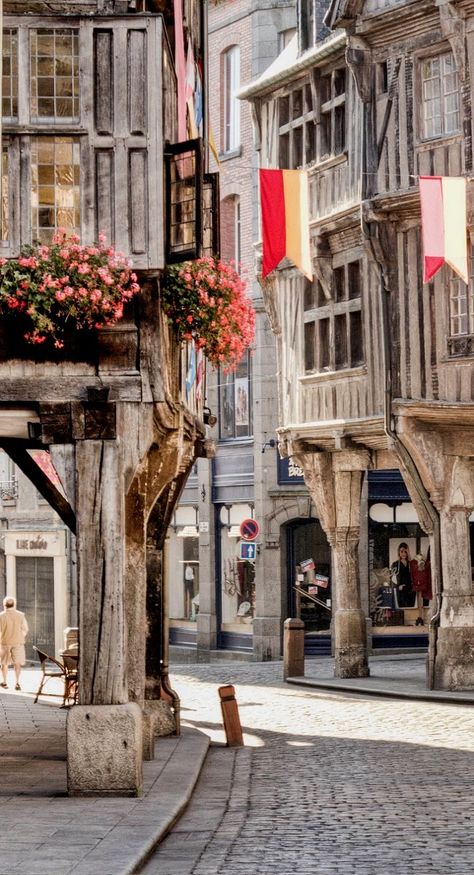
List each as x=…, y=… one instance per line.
x=368, y=231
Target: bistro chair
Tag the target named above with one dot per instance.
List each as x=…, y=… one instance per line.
x=54, y=668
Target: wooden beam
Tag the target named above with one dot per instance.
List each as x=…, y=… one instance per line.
x=18, y=452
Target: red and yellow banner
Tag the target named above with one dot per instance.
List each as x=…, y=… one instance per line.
x=285, y=219
x=444, y=224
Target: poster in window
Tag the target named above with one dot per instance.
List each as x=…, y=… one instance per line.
x=241, y=401
x=227, y=411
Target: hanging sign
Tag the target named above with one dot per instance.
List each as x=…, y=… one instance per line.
x=249, y=529
x=307, y=564
x=321, y=580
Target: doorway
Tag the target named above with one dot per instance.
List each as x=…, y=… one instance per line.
x=307, y=540
x=35, y=597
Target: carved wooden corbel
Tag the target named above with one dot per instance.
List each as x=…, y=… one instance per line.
x=452, y=27
x=359, y=60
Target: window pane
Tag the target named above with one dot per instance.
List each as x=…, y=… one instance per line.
x=325, y=135
x=284, y=110
x=339, y=284
x=339, y=129
x=297, y=159
x=297, y=104
x=231, y=103
x=5, y=196
x=440, y=94
x=323, y=346
x=226, y=405
x=357, y=345
x=309, y=295
x=10, y=75
x=54, y=69
x=340, y=341
x=458, y=307
x=309, y=346
x=354, y=280
x=284, y=151
x=339, y=82
x=55, y=195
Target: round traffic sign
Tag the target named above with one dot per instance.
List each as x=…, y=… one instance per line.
x=249, y=529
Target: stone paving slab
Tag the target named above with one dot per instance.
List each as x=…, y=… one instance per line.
x=44, y=832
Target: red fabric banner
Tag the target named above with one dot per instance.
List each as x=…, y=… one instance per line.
x=272, y=199
x=432, y=222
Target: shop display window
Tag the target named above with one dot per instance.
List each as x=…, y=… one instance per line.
x=237, y=575
x=183, y=562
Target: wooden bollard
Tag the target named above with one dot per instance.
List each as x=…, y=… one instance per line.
x=293, y=648
x=230, y=716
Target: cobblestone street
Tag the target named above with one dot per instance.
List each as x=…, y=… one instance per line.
x=327, y=783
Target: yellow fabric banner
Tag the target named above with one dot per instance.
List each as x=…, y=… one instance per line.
x=295, y=185
x=455, y=225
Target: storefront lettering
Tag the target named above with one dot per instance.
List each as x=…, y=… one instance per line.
x=35, y=544
x=294, y=470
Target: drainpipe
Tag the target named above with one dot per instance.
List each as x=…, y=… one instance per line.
x=403, y=453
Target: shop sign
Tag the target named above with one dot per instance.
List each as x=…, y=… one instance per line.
x=204, y=526
x=288, y=471
x=321, y=580
x=248, y=551
x=307, y=564
x=249, y=529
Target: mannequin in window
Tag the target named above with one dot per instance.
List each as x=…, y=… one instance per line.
x=420, y=569
x=401, y=576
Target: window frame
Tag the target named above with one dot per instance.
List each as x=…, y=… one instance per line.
x=461, y=343
x=329, y=109
x=322, y=321
x=20, y=132
x=443, y=134
x=303, y=123
x=231, y=134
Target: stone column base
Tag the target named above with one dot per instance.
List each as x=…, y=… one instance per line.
x=454, y=667
x=104, y=750
x=266, y=638
x=351, y=644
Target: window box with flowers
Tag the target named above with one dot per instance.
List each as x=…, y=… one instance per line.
x=53, y=299
x=206, y=301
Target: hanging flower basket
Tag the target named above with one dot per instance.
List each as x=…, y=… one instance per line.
x=52, y=290
x=206, y=302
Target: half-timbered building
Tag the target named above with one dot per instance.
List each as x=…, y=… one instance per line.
x=90, y=144
x=375, y=367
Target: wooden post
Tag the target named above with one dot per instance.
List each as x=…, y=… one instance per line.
x=293, y=648
x=230, y=716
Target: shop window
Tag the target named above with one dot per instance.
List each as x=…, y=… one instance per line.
x=10, y=75
x=55, y=196
x=461, y=313
x=296, y=144
x=237, y=574
x=333, y=331
x=183, y=558
x=440, y=96
x=231, y=103
x=332, y=114
x=235, y=415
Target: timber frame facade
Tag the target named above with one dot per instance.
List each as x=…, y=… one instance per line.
x=376, y=370
x=88, y=117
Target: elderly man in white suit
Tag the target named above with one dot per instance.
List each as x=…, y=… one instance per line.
x=13, y=631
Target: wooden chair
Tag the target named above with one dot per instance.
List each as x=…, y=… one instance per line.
x=54, y=668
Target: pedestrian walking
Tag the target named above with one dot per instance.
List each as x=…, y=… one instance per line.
x=13, y=631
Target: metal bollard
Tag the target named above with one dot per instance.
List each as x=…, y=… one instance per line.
x=230, y=716
x=293, y=648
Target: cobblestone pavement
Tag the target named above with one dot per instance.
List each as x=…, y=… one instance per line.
x=327, y=782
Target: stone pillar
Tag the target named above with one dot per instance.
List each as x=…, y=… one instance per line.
x=335, y=483
x=454, y=666
x=104, y=732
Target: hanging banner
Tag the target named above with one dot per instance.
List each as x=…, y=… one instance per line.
x=285, y=219
x=444, y=225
